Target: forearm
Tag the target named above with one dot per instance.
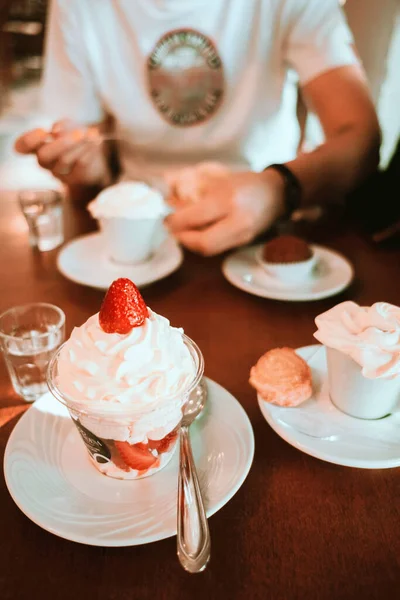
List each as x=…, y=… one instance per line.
x=82, y=192
x=339, y=165
x=82, y=189
x=80, y=195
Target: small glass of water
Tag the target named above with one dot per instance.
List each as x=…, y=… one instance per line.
x=43, y=211
x=29, y=336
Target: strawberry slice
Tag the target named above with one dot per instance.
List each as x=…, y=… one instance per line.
x=136, y=456
x=117, y=460
x=123, y=308
x=165, y=444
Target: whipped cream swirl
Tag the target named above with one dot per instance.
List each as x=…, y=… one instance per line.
x=129, y=200
x=138, y=370
x=370, y=336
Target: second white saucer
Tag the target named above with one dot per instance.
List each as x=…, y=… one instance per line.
x=332, y=274
x=318, y=428
x=85, y=261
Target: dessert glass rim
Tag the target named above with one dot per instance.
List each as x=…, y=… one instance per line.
x=111, y=409
x=28, y=305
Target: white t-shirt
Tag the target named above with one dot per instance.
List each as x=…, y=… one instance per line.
x=190, y=80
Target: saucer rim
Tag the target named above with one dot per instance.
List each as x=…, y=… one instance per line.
x=173, y=247
x=307, y=352
x=282, y=294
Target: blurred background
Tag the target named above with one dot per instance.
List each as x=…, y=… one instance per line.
x=22, y=34
x=375, y=25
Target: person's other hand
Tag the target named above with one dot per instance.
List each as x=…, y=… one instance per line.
x=234, y=209
x=71, y=152
x=188, y=184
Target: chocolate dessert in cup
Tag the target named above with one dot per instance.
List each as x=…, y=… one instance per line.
x=287, y=258
x=363, y=357
x=131, y=216
x=125, y=376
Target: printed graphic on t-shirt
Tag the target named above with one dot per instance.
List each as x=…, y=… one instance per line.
x=186, y=77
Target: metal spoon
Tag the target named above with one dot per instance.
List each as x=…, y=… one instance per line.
x=193, y=535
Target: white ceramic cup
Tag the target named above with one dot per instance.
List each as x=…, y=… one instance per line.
x=132, y=241
x=356, y=395
x=291, y=273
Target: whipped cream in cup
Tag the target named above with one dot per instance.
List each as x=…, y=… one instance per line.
x=131, y=216
x=363, y=356
x=125, y=392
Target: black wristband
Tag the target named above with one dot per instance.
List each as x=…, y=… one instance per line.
x=293, y=191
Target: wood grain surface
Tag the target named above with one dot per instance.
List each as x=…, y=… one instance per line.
x=299, y=528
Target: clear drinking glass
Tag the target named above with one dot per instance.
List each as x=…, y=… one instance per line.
x=105, y=427
x=43, y=211
x=29, y=336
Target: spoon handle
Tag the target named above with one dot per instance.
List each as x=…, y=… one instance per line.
x=193, y=537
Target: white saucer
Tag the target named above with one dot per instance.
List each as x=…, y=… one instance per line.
x=50, y=478
x=332, y=274
x=318, y=428
x=84, y=260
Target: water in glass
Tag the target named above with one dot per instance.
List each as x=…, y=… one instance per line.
x=43, y=211
x=29, y=336
x=28, y=359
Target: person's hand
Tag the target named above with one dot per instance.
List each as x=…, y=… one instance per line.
x=71, y=152
x=234, y=209
x=188, y=184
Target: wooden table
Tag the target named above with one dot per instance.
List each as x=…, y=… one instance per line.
x=298, y=527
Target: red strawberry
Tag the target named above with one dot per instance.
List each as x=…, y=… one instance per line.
x=123, y=308
x=136, y=456
x=116, y=458
x=165, y=444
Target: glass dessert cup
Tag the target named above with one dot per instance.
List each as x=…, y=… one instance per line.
x=126, y=442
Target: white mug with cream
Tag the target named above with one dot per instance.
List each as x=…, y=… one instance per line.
x=363, y=356
x=131, y=216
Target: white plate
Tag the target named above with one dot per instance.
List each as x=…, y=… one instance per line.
x=85, y=261
x=50, y=478
x=318, y=428
x=332, y=274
